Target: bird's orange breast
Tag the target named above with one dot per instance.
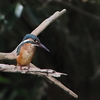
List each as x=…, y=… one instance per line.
x=26, y=54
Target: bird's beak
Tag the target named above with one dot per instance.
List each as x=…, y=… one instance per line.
x=42, y=46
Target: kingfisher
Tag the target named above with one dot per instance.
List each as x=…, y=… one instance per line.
x=25, y=50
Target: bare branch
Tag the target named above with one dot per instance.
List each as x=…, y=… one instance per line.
x=46, y=22
x=59, y=84
x=47, y=73
x=32, y=70
x=7, y=56
x=37, y=31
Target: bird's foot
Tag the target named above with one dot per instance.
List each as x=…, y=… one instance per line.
x=20, y=67
x=24, y=67
x=28, y=67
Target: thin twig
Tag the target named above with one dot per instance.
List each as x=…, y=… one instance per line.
x=59, y=84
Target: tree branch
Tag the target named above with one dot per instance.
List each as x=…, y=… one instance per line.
x=46, y=22
x=47, y=73
x=32, y=70
x=9, y=56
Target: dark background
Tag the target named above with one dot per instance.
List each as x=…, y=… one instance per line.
x=74, y=42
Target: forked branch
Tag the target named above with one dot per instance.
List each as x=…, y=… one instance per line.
x=47, y=73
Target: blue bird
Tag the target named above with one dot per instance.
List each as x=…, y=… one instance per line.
x=25, y=51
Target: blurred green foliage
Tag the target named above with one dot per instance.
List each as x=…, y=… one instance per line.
x=74, y=42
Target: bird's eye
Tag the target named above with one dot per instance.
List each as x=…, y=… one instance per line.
x=35, y=41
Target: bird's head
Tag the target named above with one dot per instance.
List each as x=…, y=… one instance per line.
x=34, y=40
